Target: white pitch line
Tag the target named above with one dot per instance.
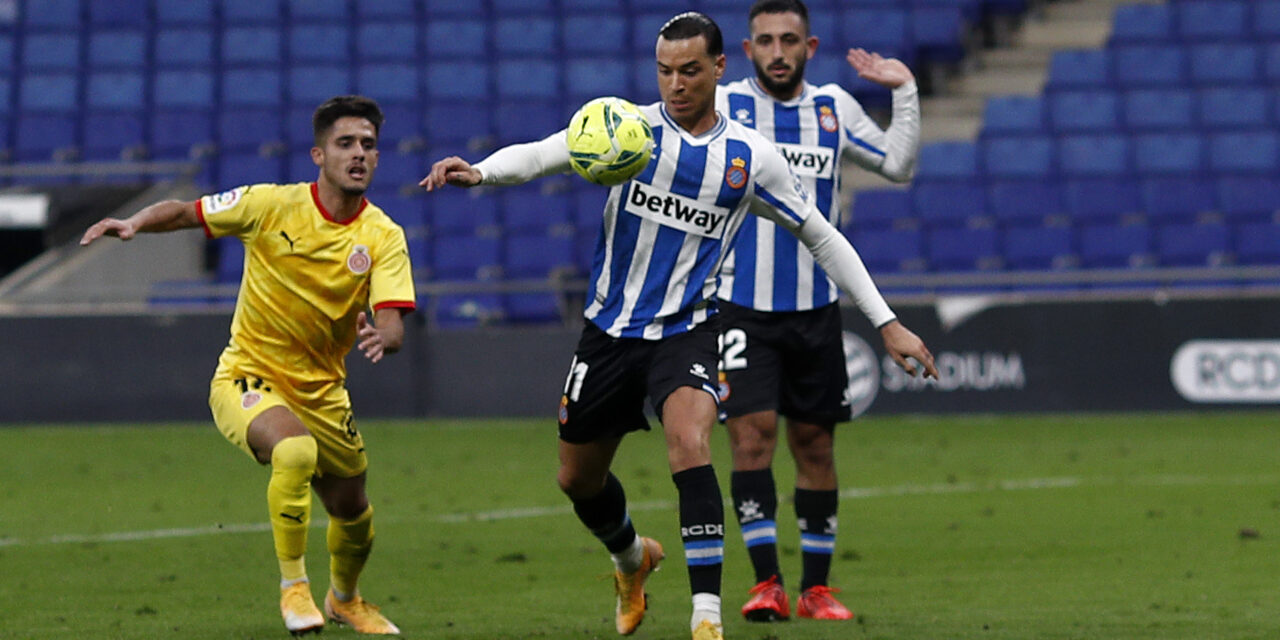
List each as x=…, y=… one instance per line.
x=854, y=493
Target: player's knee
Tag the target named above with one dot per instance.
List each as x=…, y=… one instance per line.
x=296, y=452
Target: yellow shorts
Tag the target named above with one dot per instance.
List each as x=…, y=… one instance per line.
x=236, y=401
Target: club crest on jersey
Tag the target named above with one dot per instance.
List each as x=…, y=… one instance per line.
x=250, y=398
x=725, y=390
x=359, y=261
x=736, y=174
x=827, y=119
x=224, y=201
x=564, y=409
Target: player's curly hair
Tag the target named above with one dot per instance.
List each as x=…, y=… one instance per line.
x=340, y=107
x=692, y=24
x=780, y=6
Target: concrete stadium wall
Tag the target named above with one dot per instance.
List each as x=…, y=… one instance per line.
x=1034, y=357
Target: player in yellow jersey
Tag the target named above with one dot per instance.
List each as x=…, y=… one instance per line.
x=317, y=255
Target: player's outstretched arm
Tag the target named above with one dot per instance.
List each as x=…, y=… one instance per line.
x=167, y=215
x=901, y=343
x=452, y=170
x=375, y=341
x=890, y=73
x=513, y=164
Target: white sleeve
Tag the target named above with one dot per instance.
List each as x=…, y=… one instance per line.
x=520, y=163
x=777, y=195
x=833, y=252
x=889, y=152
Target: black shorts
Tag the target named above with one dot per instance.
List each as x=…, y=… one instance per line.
x=610, y=377
x=791, y=362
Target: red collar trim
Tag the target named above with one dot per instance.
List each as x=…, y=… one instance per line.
x=315, y=197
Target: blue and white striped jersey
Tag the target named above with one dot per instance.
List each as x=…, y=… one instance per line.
x=666, y=232
x=768, y=269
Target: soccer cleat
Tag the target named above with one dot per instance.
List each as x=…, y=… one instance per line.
x=768, y=602
x=817, y=602
x=630, y=588
x=359, y=614
x=708, y=630
x=299, y=610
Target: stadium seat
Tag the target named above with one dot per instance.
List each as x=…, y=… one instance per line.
x=174, y=132
x=251, y=45
x=1013, y=115
x=1024, y=202
x=299, y=167
x=1141, y=23
x=587, y=78
x=938, y=33
x=117, y=49
x=403, y=122
x=947, y=160
x=1234, y=107
x=327, y=10
x=1168, y=153
x=1017, y=156
x=248, y=128
x=108, y=134
x=526, y=35
x=185, y=46
x=1271, y=63
x=55, y=13
x=252, y=11
x=389, y=83
x=593, y=33
x=38, y=136
x=1159, y=109
x=458, y=80
x=963, y=249
x=1115, y=246
x=183, y=88
x=529, y=209
x=949, y=204
x=1179, y=199
x=522, y=78
x=1106, y=154
x=881, y=209
x=456, y=121
x=1037, y=248
x=890, y=250
x=252, y=87
x=537, y=255
x=122, y=90
x=460, y=213
x=420, y=255
x=310, y=85
x=526, y=120
x=1258, y=243
x=319, y=43
x=880, y=29
x=56, y=51
x=184, y=12
x=450, y=39
x=1210, y=19
x=230, y=264
x=467, y=257
x=387, y=41
x=458, y=310
x=1087, y=110
x=1102, y=200
x=1265, y=21
x=523, y=6
x=1248, y=198
x=387, y=9
x=1077, y=68
x=249, y=167
x=532, y=307
x=1245, y=152
x=1224, y=63
x=51, y=92
x=1149, y=65
x=1193, y=245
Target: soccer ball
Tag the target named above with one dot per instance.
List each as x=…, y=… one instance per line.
x=609, y=141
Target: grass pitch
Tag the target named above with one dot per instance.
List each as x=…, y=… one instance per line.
x=1114, y=526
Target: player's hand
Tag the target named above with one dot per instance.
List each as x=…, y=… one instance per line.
x=369, y=339
x=452, y=170
x=890, y=73
x=901, y=344
x=108, y=227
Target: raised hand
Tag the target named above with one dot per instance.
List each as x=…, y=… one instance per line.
x=890, y=73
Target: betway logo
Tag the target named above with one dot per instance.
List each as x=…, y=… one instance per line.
x=809, y=162
x=666, y=208
x=1227, y=371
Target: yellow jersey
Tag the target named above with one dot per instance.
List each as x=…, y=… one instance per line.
x=306, y=277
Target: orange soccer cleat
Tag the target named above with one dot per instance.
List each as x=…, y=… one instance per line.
x=630, y=588
x=359, y=614
x=299, y=610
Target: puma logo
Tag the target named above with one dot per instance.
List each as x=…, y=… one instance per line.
x=297, y=518
x=287, y=239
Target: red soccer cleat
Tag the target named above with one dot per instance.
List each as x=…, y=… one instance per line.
x=817, y=602
x=768, y=602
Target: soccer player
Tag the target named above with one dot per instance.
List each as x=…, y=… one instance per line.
x=780, y=315
x=651, y=327
x=317, y=255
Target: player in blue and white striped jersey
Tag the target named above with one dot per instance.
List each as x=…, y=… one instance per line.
x=651, y=311
x=780, y=318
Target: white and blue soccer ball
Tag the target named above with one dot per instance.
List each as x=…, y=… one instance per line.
x=610, y=141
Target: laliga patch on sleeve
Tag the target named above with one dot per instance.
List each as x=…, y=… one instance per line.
x=222, y=201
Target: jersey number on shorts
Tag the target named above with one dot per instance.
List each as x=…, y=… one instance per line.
x=733, y=343
x=573, y=384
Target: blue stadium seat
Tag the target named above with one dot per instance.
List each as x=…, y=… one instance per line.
x=389, y=83
x=532, y=307
x=1195, y=245
x=1149, y=65
x=241, y=168
x=1227, y=107
x=117, y=13
x=963, y=249
x=325, y=10
x=299, y=167
x=397, y=170
x=530, y=210
x=252, y=87
x=6, y=55
x=1248, y=198
x=1024, y=202
x=890, y=250
x=460, y=213
x=391, y=41
x=1087, y=110
x=1038, y=248
x=1004, y=115
x=184, y=46
x=38, y=136
x=1168, y=153
x=467, y=80
x=454, y=8
x=645, y=71
x=880, y=29
x=230, y=266
x=1258, y=243
x=517, y=120
x=1224, y=63
x=448, y=39
x=1094, y=155
x=947, y=160
x=1271, y=62
x=57, y=51
x=644, y=31
x=251, y=45
x=1178, y=199
x=253, y=11
x=398, y=9
x=1211, y=20
x=173, y=132
x=1265, y=21
x=1159, y=109
x=311, y=85
x=403, y=121
x=55, y=13
x=467, y=257
x=1115, y=245
x=523, y=6
x=321, y=42
x=1105, y=200
x=943, y=204
x=1141, y=23
x=117, y=49
x=248, y=128
x=594, y=33
x=522, y=78
x=1254, y=151
x=1074, y=68
x=183, y=12
x=49, y=92
x=525, y=35
x=879, y=209
x=124, y=90
x=457, y=121
x=938, y=33
x=587, y=78
x=1017, y=156
x=420, y=256
x=458, y=310
x=537, y=255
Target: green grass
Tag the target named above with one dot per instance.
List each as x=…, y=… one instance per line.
x=1113, y=526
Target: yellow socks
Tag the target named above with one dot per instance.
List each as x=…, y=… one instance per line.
x=349, y=544
x=293, y=463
